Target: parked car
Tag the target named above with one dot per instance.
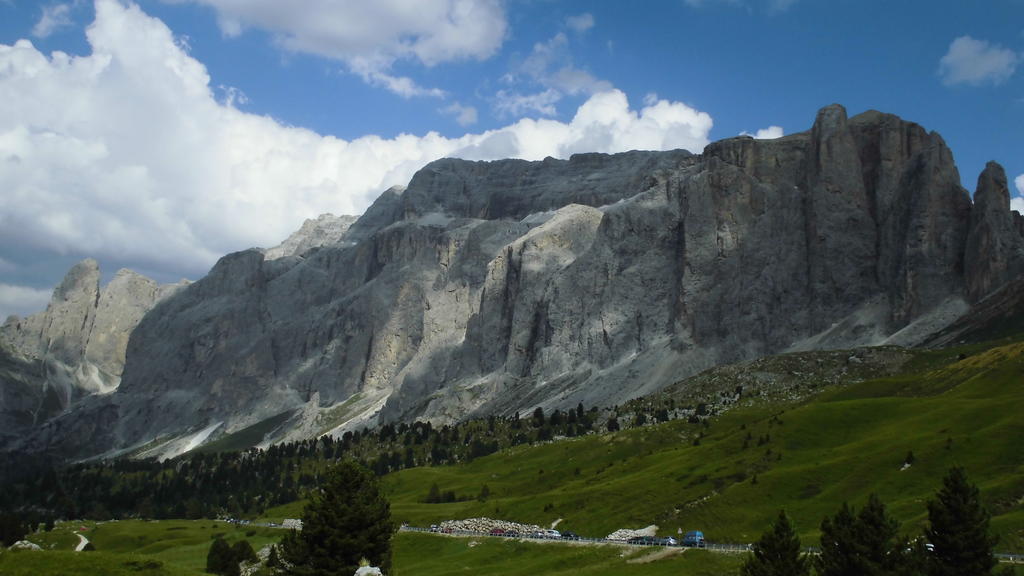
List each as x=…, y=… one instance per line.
x=670, y=541
x=497, y=532
x=511, y=534
x=694, y=539
x=551, y=534
x=570, y=536
x=535, y=534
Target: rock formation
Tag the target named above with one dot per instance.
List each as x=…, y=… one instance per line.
x=326, y=230
x=75, y=348
x=490, y=287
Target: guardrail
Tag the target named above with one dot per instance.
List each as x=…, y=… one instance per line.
x=717, y=547
x=712, y=546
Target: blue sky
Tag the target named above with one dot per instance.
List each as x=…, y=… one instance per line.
x=161, y=134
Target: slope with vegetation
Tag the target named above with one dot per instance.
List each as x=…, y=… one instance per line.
x=729, y=475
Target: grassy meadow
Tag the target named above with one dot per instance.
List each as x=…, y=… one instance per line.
x=840, y=445
x=727, y=476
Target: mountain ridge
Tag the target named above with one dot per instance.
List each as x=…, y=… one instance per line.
x=489, y=287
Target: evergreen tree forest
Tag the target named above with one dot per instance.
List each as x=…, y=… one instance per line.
x=245, y=483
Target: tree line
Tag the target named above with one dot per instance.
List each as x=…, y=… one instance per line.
x=35, y=489
x=956, y=542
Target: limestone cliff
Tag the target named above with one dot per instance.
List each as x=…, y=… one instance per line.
x=489, y=287
x=75, y=348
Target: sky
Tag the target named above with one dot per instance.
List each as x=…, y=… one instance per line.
x=159, y=135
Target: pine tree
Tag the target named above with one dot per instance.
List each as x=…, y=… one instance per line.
x=242, y=551
x=861, y=545
x=272, y=560
x=12, y=529
x=878, y=538
x=839, y=551
x=218, y=559
x=346, y=519
x=777, y=553
x=958, y=528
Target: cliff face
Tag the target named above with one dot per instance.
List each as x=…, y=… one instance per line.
x=73, y=349
x=492, y=287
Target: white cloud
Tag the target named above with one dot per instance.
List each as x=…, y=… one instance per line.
x=1017, y=202
x=976, y=62
x=402, y=85
x=464, y=115
x=22, y=300
x=370, y=36
x=550, y=64
x=508, y=103
x=581, y=22
x=53, y=18
x=126, y=154
x=769, y=133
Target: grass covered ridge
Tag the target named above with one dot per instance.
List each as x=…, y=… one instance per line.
x=840, y=445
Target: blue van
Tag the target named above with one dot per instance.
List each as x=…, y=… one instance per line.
x=694, y=539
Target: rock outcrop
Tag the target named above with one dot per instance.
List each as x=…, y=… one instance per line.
x=490, y=287
x=76, y=347
x=325, y=230
x=995, y=247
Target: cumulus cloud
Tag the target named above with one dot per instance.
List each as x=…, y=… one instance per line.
x=371, y=36
x=976, y=62
x=543, y=78
x=127, y=154
x=53, y=18
x=464, y=115
x=769, y=133
x=510, y=103
x=581, y=22
x=551, y=64
x=1017, y=203
x=22, y=300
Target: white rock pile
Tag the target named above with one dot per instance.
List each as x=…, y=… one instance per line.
x=485, y=525
x=625, y=533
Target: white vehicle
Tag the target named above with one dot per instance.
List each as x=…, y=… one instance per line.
x=554, y=534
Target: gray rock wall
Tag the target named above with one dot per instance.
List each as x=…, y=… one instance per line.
x=489, y=287
x=75, y=348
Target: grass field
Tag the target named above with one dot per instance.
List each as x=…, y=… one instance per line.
x=839, y=446
x=728, y=478
x=170, y=547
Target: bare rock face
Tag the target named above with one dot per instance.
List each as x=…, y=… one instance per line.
x=75, y=348
x=325, y=230
x=62, y=331
x=490, y=287
x=995, y=248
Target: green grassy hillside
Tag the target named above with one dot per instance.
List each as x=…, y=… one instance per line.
x=807, y=457
x=167, y=547
x=806, y=447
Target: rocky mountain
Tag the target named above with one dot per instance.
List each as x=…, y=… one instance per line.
x=76, y=348
x=326, y=229
x=490, y=287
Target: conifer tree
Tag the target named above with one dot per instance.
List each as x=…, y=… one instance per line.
x=346, y=519
x=861, y=545
x=877, y=535
x=958, y=528
x=777, y=553
x=839, y=553
x=218, y=559
x=242, y=551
